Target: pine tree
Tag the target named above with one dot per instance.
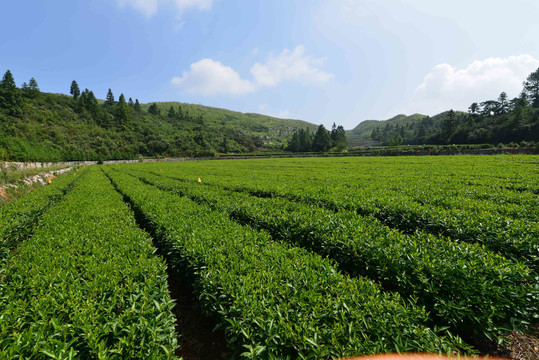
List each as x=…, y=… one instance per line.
x=153, y=109
x=503, y=104
x=305, y=140
x=93, y=105
x=110, y=98
x=322, y=139
x=340, y=140
x=531, y=88
x=33, y=88
x=293, y=144
x=10, y=97
x=449, y=126
x=171, y=112
x=333, y=134
x=122, y=112
x=82, y=102
x=33, y=85
x=137, y=106
x=75, y=91
x=130, y=102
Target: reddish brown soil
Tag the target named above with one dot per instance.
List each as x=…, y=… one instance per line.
x=197, y=339
x=3, y=194
x=521, y=346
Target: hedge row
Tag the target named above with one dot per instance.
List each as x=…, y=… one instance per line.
x=86, y=284
x=512, y=237
x=273, y=300
x=464, y=286
x=17, y=218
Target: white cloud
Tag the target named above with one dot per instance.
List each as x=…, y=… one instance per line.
x=209, y=77
x=147, y=7
x=447, y=87
x=183, y=5
x=283, y=114
x=293, y=66
x=150, y=7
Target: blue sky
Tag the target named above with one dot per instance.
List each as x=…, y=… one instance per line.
x=323, y=61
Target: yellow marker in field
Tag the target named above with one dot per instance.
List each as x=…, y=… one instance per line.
x=199, y=180
x=49, y=181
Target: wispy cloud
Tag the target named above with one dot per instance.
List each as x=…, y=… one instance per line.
x=209, y=77
x=290, y=65
x=447, y=87
x=150, y=7
x=283, y=114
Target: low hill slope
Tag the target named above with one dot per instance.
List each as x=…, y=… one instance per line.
x=517, y=125
x=55, y=127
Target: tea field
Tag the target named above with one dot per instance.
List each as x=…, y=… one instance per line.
x=308, y=258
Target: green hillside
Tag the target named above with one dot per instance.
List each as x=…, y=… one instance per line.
x=36, y=126
x=518, y=125
x=361, y=134
x=272, y=129
x=495, y=122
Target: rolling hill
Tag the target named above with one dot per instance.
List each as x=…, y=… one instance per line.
x=361, y=134
x=37, y=126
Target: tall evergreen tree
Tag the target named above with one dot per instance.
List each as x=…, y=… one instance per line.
x=531, y=88
x=74, y=90
x=82, y=101
x=122, y=112
x=10, y=97
x=130, y=102
x=153, y=109
x=502, y=103
x=338, y=137
x=32, y=85
x=293, y=144
x=32, y=89
x=137, y=106
x=93, y=103
x=305, y=141
x=322, y=139
x=110, y=98
x=171, y=112
x=449, y=126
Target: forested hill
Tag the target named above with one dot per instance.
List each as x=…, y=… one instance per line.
x=489, y=122
x=37, y=126
x=361, y=134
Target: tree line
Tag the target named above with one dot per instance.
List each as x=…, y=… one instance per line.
x=38, y=126
x=498, y=121
x=321, y=141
